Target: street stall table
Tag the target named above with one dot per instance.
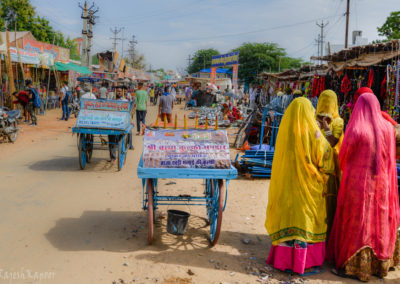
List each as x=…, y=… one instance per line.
x=186, y=154
x=103, y=117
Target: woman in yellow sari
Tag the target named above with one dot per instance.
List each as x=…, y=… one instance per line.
x=296, y=212
x=332, y=126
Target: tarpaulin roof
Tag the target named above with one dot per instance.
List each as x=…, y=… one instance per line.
x=71, y=66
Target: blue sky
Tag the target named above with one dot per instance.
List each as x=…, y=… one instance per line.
x=168, y=31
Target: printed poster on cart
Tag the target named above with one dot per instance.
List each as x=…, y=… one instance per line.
x=194, y=148
x=105, y=114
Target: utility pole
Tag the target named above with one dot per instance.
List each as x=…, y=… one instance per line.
x=115, y=31
x=122, y=42
x=347, y=24
x=131, y=51
x=90, y=36
x=189, y=60
x=85, y=18
x=322, y=26
x=87, y=32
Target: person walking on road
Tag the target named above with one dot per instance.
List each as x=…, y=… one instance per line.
x=34, y=102
x=166, y=105
x=141, y=101
x=65, y=94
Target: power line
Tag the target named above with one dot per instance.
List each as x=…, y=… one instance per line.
x=241, y=33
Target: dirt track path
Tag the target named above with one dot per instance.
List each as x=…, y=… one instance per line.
x=88, y=227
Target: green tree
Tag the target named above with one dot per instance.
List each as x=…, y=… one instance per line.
x=255, y=58
x=22, y=15
x=201, y=60
x=391, y=28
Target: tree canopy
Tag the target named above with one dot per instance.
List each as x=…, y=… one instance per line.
x=202, y=59
x=255, y=58
x=391, y=28
x=20, y=14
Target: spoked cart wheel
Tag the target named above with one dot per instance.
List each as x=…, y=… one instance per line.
x=89, y=147
x=122, y=149
x=150, y=209
x=82, y=151
x=215, y=191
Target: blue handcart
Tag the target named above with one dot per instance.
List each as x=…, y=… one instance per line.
x=214, y=199
x=103, y=117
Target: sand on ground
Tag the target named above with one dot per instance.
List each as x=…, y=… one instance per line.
x=60, y=224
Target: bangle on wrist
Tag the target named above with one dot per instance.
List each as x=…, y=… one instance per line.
x=328, y=133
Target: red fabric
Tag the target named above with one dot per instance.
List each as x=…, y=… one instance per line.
x=315, y=87
x=346, y=85
x=383, y=89
x=389, y=118
x=370, y=78
x=367, y=213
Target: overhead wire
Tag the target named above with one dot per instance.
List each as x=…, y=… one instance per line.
x=237, y=34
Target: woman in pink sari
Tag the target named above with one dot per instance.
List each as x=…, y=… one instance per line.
x=364, y=239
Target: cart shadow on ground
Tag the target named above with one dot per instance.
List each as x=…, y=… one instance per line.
x=126, y=232
x=71, y=164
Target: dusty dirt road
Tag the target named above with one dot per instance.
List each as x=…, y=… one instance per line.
x=60, y=224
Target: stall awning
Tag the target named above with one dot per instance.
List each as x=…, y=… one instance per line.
x=71, y=66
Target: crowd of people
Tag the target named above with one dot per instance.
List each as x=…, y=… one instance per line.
x=333, y=193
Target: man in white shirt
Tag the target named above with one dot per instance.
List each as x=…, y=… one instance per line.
x=103, y=91
x=88, y=94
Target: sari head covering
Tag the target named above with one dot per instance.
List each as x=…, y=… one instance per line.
x=367, y=213
x=296, y=202
x=364, y=90
x=328, y=106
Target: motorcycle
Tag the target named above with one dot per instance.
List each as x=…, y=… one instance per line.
x=8, y=123
x=74, y=108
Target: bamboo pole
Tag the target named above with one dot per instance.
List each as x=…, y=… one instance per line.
x=9, y=70
x=176, y=121
x=196, y=123
x=19, y=55
x=206, y=125
x=216, y=122
x=185, y=121
x=165, y=121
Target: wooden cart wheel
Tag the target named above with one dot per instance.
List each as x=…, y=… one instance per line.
x=216, y=217
x=89, y=147
x=82, y=151
x=150, y=209
x=121, y=152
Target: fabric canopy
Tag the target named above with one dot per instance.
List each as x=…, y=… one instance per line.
x=71, y=66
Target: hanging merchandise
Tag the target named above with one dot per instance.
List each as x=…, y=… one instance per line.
x=346, y=86
x=370, y=78
x=383, y=92
x=314, y=90
x=321, y=86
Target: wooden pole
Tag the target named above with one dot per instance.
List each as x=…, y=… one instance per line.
x=165, y=121
x=196, y=123
x=9, y=70
x=347, y=25
x=176, y=121
x=206, y=125
x=19, y=55
x=185, y=121
x=216, y=122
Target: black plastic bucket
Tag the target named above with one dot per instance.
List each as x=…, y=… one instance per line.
x=177, y=221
